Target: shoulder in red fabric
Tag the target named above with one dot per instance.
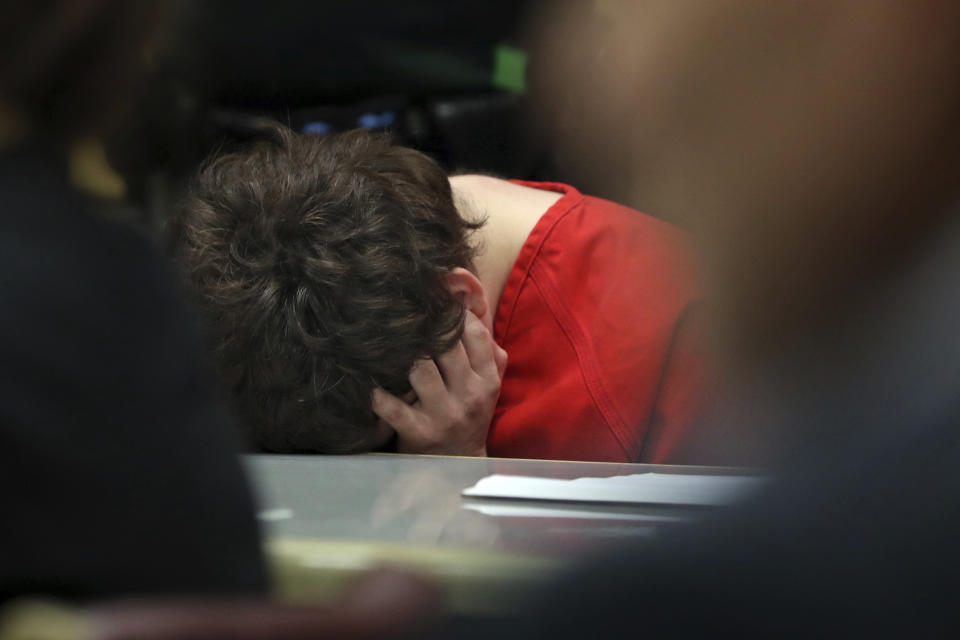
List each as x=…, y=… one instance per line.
x=597, y=316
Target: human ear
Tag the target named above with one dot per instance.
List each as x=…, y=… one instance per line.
x=464, y=283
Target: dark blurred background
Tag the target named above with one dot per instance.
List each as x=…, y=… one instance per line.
x=453, y=79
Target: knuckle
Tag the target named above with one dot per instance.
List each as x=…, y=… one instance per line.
x=475, y=330
x=474, y=399
x=457, y=415
x=489, y=388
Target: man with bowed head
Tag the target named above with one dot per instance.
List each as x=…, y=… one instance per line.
x=356, y=294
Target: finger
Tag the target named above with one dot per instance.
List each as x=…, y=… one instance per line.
x=479, y=344
x=394, y=411
x=455, y=368
x=426, y=380
x=500, y=355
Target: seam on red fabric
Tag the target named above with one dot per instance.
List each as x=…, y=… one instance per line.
x=530, y=250
x=587, y=359
x=667, y=361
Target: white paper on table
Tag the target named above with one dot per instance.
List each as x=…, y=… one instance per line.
x=502, y=510
x=641, y=488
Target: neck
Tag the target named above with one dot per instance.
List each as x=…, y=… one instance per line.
x=511, y=212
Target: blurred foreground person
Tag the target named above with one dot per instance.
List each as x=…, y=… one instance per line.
x=121, y=486
x=119, y=471
x=814, y=148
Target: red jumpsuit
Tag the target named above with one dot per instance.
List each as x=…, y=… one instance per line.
x=598, y=317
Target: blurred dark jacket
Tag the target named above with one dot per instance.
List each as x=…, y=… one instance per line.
x=858, y=536
x=118, y=473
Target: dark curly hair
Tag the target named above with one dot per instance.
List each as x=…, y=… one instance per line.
x=319, y=264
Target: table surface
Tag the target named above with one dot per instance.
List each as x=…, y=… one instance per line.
x=416, y=500
x=327, y=518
